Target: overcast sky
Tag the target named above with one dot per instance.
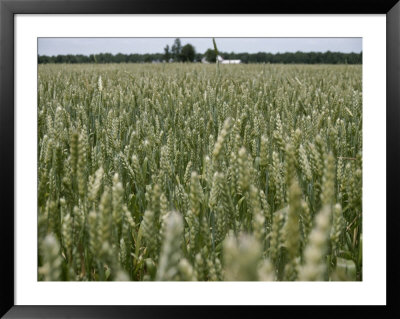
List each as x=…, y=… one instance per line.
x=87, y=46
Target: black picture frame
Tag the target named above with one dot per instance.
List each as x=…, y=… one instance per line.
x=8, y=8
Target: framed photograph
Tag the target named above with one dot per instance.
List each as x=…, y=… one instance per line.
x=163, y=155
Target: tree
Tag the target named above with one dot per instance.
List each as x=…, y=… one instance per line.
x=210, y=55
x=119, y=58
x=176, y=50
x=188, y=53
x=198, y=57
x=167, y=53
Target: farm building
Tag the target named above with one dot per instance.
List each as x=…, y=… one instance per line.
x=222, y=61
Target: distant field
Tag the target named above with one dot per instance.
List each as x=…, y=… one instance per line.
x=200, y=172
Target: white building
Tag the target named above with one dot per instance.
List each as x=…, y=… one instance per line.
x=222, y=61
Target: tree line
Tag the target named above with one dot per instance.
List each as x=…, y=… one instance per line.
x=187, y=53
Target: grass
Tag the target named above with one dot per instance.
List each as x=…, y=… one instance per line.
x=179, y=172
